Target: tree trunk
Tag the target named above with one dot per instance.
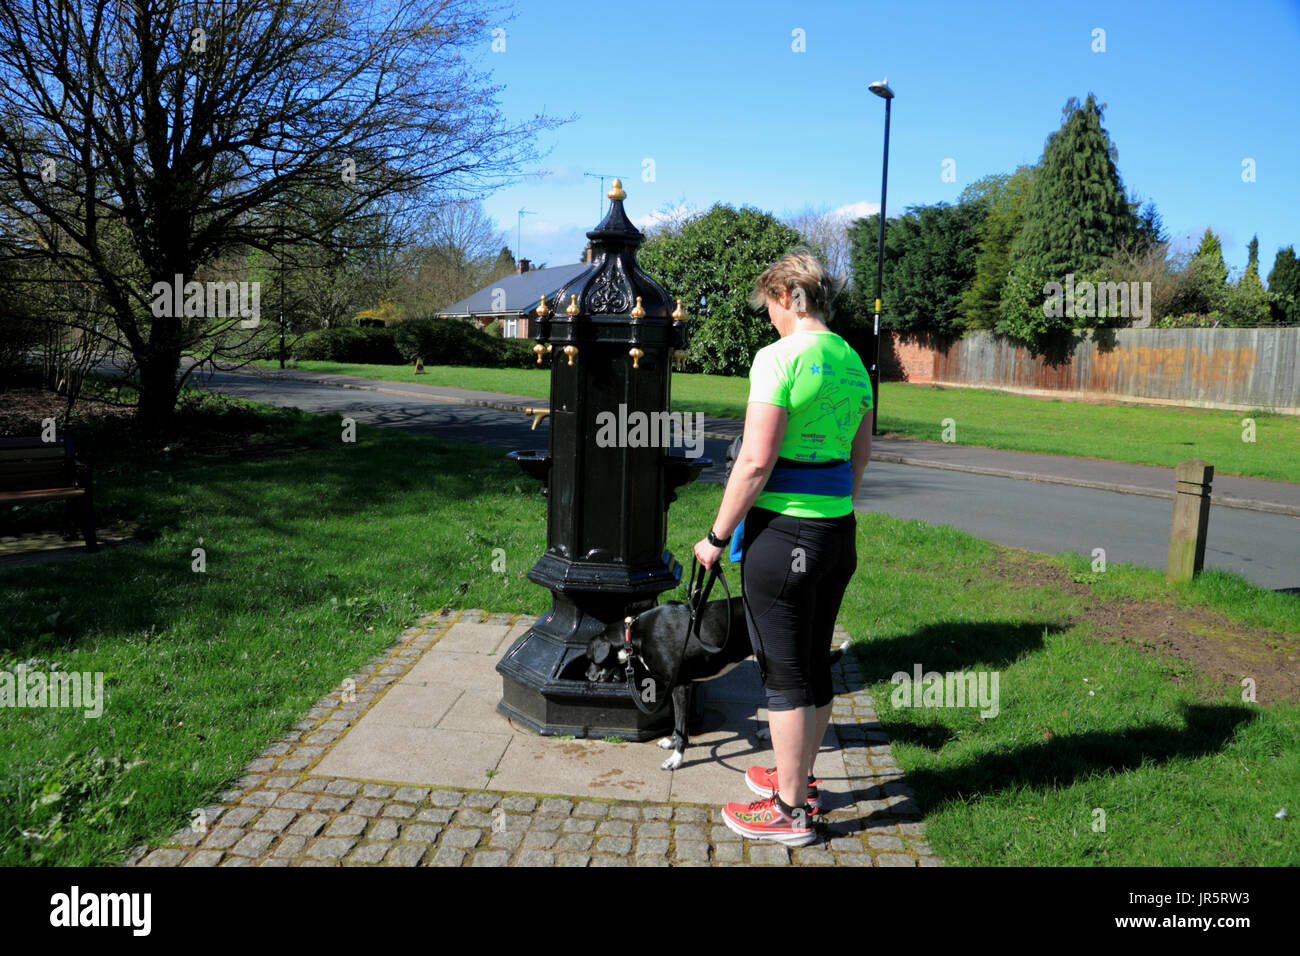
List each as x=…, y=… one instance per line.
x=158, y=391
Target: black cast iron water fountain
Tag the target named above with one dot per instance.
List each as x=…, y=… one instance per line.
x=610, y=335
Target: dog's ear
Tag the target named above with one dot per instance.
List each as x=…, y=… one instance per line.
x=598, y=650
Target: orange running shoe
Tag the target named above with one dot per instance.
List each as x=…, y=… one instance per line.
x=763, y=782
x=764, y=820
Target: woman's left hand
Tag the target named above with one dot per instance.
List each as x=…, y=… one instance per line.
x=707, y=554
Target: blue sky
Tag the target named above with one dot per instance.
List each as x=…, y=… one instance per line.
x=715, y=95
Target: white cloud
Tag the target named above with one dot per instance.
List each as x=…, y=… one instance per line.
x=856, y=210
x=659, y=217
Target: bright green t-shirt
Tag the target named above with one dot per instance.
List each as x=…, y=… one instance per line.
x=824, y=387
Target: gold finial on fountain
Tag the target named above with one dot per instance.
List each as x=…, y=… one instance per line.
x=573, y=306
x=616, y=190
x=637, y=311
x=678, y=314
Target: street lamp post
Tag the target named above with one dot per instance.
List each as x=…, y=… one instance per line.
x=881, y=89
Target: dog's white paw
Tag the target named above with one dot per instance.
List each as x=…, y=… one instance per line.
x=665, y=743
x=673, y=762
x=764, y=733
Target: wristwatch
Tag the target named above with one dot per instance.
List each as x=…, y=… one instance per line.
x=715, y=540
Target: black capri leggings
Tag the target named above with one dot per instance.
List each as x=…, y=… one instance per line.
x=794, y=572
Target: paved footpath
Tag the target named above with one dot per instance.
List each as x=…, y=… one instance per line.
x=283, y=812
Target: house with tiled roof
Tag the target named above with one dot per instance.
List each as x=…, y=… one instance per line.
x=514, y=298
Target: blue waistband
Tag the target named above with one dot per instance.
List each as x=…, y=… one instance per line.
x=833, y=478
x=811, y=478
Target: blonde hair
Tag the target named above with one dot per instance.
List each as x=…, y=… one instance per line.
x=811, y=285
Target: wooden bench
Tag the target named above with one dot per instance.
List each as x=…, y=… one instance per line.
x=35, y=470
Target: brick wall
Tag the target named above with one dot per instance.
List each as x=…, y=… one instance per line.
x=915, y=358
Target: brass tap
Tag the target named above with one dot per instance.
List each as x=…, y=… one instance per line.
x=570, y=351
x=636, y=357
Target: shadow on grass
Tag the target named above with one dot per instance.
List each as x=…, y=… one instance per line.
x=143, y=588
x=929, y=736
x=950, y=646
x=1059, y=762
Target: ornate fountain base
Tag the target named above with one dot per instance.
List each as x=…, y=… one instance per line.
x=544, y=674
x=544, y=682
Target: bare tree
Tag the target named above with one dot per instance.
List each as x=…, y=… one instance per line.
x=826, y=231
x=159, y=135
x=1153, y=263
x=670, y=217
x=456, y=253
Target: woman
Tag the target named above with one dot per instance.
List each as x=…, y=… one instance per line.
x=807, y=440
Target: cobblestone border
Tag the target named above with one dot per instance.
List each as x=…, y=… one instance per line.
x=279, y=814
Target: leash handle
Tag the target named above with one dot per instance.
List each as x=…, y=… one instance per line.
x=707, y=576
x=697, y=600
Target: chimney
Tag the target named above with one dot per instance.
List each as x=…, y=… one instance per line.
x=522, y=267
x=588, y=252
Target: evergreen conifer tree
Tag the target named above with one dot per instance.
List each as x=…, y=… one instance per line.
x=1284, y=285
x=1075, y=212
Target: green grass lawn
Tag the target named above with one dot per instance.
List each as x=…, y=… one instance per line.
x=318, y=554
x=1182, y=772
x=1140, y=434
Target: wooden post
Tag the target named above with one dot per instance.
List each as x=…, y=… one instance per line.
x=1191, y=518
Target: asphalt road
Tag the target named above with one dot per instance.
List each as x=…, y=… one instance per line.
x=1133, y=529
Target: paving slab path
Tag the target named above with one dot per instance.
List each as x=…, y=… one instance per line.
x=408, y=763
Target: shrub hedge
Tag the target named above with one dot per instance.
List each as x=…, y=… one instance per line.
x=453, y=342
x=437, y=341
x=349, y=344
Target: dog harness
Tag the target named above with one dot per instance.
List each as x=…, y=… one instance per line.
x=698, y=590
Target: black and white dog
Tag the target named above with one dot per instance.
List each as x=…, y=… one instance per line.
x=654, y=643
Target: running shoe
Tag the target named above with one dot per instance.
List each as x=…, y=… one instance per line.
x=764, y=820
x=763, y=782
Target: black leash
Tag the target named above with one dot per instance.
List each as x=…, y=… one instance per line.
x=629, y=672
x=697, y=601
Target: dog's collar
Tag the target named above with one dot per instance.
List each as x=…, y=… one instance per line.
x=629, y=647
x=629, y=668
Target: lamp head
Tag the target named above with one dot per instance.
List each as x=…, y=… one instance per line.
x=881, y=89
